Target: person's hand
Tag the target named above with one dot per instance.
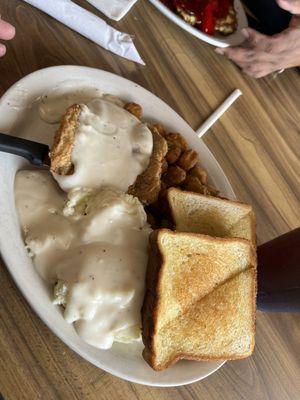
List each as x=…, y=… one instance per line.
x=7, y=32
x=293, y=6
x=266, y=54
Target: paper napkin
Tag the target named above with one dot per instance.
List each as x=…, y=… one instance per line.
x=114, y=9
x=90, y=26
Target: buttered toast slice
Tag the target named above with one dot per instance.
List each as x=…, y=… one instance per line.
x=200, y=298
x=194, y=212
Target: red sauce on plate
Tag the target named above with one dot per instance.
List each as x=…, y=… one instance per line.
x=207, y=12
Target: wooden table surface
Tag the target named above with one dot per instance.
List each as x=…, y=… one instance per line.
x=256, y=143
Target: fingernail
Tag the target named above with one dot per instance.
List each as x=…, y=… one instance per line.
x=2, y=50
x=220, y=51
x=13, y=32
x=245, y=33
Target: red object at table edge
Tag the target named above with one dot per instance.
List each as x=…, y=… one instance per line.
x=207, y=12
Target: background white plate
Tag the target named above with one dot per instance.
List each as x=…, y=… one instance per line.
x=18, y=115
x=218, y=40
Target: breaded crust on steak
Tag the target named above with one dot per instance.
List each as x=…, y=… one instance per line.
x=60, y=154
x=148, y=184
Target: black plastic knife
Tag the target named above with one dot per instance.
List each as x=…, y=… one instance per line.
x=36, y=153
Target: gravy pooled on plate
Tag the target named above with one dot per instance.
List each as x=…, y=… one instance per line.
x=94, y=247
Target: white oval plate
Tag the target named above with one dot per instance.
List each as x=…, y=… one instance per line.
x=19, y=116
x=234, y=39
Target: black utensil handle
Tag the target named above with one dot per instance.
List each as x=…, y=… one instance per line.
x=35, y=153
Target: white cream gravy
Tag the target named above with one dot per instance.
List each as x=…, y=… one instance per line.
x=112, y=147
x=93, y=239
x=94, y=242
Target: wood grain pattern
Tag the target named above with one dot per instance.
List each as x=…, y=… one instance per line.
x=257, y=144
